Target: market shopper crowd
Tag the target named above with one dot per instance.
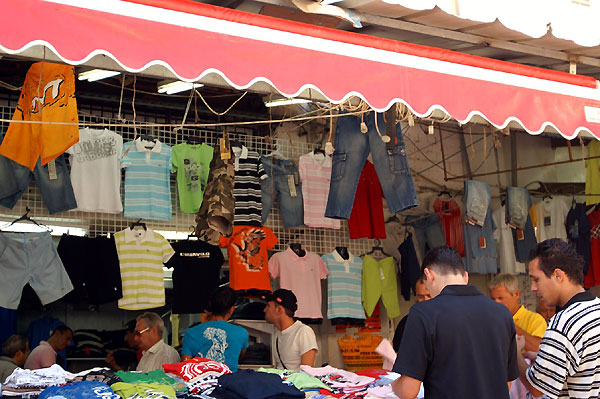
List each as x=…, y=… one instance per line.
x=455, y=342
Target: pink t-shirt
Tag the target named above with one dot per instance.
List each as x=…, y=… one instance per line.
x=41, y=356
x=302, y=276
x=315, y=174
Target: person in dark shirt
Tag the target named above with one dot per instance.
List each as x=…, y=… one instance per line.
x=459, y=344
x=422, y=296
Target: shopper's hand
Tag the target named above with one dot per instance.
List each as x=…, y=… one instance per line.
x=110, y=359
x=530, y=355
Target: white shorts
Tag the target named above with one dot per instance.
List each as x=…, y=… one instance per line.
x=30, y=258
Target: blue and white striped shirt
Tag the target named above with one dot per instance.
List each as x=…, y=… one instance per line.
x=147, y=180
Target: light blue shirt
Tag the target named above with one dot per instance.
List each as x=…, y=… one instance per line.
x=147, y=180
x=216, y=340
x=344, y=286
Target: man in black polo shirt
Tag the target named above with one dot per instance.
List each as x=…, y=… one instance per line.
x=460, y=344
x=568, y=361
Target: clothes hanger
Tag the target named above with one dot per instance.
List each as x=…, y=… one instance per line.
x=139, y=223
x=194, y=139
x=319, y=150
x=444, y=192
x=277, y=153
x=25, y=218
x=377, y=247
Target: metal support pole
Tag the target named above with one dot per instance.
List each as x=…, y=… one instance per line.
x=443, y=154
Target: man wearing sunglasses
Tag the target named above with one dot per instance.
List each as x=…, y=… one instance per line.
x=155, y=352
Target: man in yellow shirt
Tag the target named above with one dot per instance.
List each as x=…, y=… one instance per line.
x=504, y=289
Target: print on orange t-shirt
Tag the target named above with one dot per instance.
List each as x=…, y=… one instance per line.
x=248, y=258
x=48, y=95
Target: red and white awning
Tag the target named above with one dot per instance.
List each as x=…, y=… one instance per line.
x=193, y=40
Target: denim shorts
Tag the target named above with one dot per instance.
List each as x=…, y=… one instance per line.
x=57, y=193
x=351, y=151
x=276, y=185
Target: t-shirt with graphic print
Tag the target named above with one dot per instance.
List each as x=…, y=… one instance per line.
x=248, y=258
x=192, y=164
x=96, y=171
x=216, y=340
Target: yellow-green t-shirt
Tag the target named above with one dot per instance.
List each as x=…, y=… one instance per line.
x=191, y=162
x=531, y=322
x=592, y=180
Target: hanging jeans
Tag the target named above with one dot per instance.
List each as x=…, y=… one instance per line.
x=517, y=208
x=518, y=203
x=477, y=201
x=428, y=232
x=351, y=151
x=277, y=185
x=57, y=192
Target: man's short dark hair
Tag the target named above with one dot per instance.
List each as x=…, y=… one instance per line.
x=221, y=300
x=444, y=260
x=13, y=344
x=62, y=329
x=555, y=253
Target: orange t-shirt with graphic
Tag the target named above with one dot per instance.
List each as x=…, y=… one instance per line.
x=48, y=95
x=248, y=258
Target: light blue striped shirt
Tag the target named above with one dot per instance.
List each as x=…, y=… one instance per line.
x=147, y=180
x=344, y=286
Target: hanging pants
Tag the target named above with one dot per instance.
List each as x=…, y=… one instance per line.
x=379, y=281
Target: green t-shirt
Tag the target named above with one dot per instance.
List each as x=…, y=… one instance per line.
x=191, y=162
x=151, y=377
x=135, y=391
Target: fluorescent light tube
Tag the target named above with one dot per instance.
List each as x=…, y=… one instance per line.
x=286, y=101
x=97, y=74
x=177, y=87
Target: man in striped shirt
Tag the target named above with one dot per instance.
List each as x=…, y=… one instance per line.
x=568, y=361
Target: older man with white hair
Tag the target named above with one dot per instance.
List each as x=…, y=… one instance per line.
x=148, y=335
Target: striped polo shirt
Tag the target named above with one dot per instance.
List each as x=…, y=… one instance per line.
x=141, y=256
x=147, y=180
x=344, y=286
x=249, y=172
x=315, y=174
x=568, y=362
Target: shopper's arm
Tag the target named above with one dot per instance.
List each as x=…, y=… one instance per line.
x=523, y=366
x=185, y=358
x=242, y=354
x=532, y=344
x=406, y=387
x=308, y=358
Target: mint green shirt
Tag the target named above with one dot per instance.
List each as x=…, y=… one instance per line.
x=191, y=162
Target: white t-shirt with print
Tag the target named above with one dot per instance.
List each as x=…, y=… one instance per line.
x=551, y=215
x=96, y=171
x=293, y=342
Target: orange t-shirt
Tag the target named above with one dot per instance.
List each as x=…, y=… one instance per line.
x=248, y=259
x=48, y=95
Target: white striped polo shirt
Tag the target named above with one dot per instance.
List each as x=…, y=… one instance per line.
x=568, y=362
x=141, y=256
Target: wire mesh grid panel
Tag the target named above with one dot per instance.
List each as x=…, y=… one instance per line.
x=319, y=240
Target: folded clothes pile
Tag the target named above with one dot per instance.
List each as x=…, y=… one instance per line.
x=200, y=374
x=32, y=382
x=80, y=390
